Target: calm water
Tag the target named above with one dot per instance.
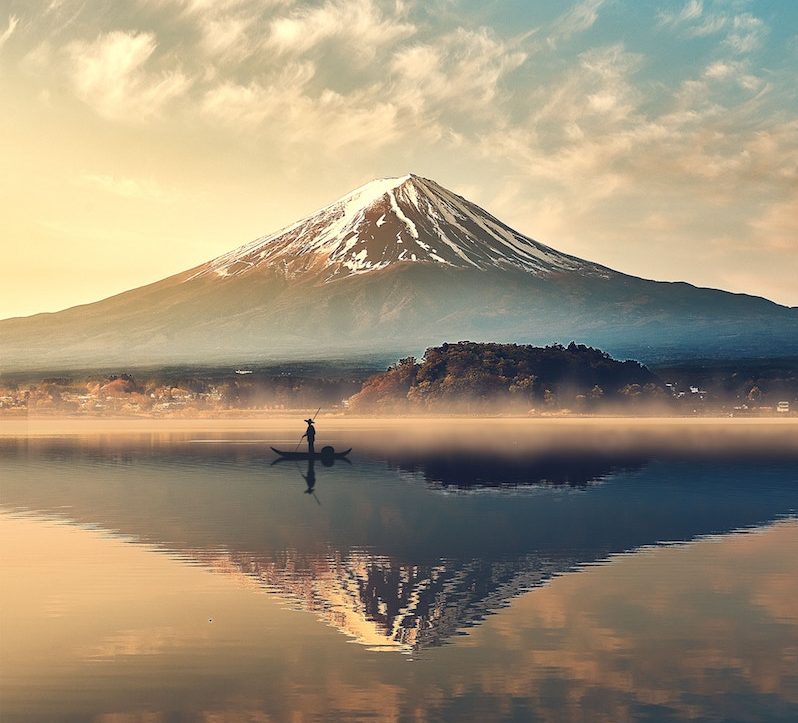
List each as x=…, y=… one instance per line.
x=185, y=577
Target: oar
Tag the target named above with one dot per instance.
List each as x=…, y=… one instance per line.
x=300, y=439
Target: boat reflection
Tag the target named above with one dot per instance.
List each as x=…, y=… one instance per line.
x=309, y=475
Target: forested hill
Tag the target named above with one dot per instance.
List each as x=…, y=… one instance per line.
x=470, y=376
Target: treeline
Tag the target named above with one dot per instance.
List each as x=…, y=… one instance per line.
x=743, y=381
x=470, y=376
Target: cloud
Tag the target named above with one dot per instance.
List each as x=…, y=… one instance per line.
x=747, y=33
x=579, y=18
x=226, y=36
x=603, y=162
x=13, y=20
x=593, y=130
x=720, y=70
x=110, y=74
x=436, y=91
x=252, y=104
x=710, y=25
x=692, y=10
x=744, y=32
x=733, y=71
x=463, y=70
x=286, y=109
x=229, y=31
x=593, y=98
x=360, y=24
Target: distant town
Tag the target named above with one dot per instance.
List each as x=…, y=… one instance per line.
x=123, y=395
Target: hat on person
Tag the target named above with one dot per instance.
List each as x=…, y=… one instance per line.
x=309, y=421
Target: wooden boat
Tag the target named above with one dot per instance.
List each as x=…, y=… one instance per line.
x=323, y=453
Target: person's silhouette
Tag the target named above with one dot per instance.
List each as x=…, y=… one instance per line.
x=310, y=433
x=310, y=477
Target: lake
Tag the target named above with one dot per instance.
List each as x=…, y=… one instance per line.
x=450, y=569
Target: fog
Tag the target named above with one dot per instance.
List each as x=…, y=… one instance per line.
x=444, y=435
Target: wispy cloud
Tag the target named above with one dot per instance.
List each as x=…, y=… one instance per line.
x=252, y=104
x=433, y=90
x=229, y=31
x=461, y=71
x=691, y=10
x=361, y=24
x=110, y=74
x=747, y=33
x=13, y=21
x=324, y=122
x=744, y=32
x=734, y=71
x=578, y=19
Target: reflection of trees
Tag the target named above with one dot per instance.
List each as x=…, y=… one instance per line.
x=469, y=471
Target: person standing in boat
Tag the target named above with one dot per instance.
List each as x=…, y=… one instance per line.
x=310, y=433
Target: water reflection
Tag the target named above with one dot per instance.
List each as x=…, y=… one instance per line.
x=385, y=559
x=469, y=471
x=308, y=474
x=310, y=478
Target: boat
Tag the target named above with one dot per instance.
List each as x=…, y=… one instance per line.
x=323, y=453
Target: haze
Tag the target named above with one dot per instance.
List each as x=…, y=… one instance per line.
x=380, y=435
x=147, y=137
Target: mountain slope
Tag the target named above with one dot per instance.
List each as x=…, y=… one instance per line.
x=394, y=267
x=393, y=220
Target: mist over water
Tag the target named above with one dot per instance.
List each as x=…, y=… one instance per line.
x=483, y=569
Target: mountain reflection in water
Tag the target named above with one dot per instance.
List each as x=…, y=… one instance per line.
x=382, y=557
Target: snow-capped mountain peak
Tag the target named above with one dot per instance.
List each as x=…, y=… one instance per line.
x=407, y=219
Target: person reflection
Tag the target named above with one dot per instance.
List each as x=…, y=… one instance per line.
x=310, y=477
x=310, y=480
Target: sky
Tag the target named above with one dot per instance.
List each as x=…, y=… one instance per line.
x=142, y=138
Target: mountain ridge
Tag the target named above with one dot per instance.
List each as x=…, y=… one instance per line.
x=390, y=220
x=397, y=265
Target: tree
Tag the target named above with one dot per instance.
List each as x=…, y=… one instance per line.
x=486, y=376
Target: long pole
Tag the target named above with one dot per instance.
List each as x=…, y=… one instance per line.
x=313, y=418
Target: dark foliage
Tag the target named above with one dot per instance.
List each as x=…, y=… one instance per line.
x=738, y=381
x=475, y=376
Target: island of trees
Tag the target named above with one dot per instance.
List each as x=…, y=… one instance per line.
x=482, y=377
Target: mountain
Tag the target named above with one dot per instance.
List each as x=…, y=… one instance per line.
x=389, y=221
x=395, y=266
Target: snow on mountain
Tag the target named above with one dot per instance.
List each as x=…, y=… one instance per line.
x=393, y=220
